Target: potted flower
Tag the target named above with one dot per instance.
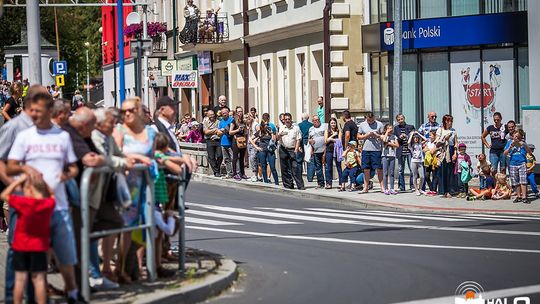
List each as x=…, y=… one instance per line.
x=155, y=29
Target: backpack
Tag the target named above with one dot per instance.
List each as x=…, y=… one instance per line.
x=466, y=175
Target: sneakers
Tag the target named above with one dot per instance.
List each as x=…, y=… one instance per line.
x=525, y=201
x=461, y=195
x=470, y=198
x=217, y=175
x=418, y=193
x=386, y=192
x=254, y=179
x=103, y=284
x=517, y=200
x=79, y=300
x=237, y=177
x=393, y=192
x=244, y=177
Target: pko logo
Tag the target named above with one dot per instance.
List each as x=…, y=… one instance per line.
x=388, y=35
x=471, y=292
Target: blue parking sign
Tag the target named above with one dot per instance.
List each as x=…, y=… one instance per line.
x=60, y=68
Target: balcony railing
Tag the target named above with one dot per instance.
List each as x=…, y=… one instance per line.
x=213, y=29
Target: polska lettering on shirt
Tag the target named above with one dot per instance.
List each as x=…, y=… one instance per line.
x=45, y=148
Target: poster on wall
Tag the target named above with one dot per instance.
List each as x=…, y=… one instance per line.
x=467, y=90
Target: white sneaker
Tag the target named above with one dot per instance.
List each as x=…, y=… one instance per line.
x=418, y=193
x=254, y=178
x=103, y=284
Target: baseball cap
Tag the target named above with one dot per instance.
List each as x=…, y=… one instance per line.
x=166, y=101
x=352, y=143
x=531, y=146
x=462, y=145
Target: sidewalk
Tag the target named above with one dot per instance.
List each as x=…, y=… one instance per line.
x=207, y=275
x=406, y=201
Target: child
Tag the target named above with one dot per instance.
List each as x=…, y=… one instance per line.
x=485, y=191
x=170, y=163
x=417, y=160
x=503, y=190
x=482, y=163
x=430, y=163
x=194, y=135
x=517, y=151
x=389, y=159
x=32, y=235
x=351, y=159
x=463, y=163
x=531, y=162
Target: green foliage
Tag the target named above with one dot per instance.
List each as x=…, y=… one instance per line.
x=76, y=25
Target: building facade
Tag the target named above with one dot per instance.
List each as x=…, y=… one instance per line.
x=467, y=58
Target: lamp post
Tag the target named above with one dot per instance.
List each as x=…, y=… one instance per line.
x=87, y=45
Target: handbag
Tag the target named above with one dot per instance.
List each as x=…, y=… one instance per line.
x=241, y=142
x=308, y=149
x=118, y=191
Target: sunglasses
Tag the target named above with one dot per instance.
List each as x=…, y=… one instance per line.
x=433, y=116
x=130, y=110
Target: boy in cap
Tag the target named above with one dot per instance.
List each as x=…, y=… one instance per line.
x=351, y=158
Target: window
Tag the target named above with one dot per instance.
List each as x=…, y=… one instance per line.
x=435, y=83
x=375, y=85
x=523, y=77
x=408, y=88
x=465, y=7
x=385, y=98
x=433, y=8
x=374, y=7
x=498, y=6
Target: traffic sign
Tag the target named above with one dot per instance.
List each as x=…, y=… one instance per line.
x=60, y=68
x=60, y=82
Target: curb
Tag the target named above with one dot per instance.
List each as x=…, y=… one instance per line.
x=202, y=289
x=357, y=203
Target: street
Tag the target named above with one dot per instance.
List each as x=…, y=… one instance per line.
x=293, y=250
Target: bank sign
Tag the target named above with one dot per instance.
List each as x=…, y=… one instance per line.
x=452, y=31
x=184, y=79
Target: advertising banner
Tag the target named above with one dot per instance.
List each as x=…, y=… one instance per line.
x=467, y=89
x=204, y=63
x=184, y=79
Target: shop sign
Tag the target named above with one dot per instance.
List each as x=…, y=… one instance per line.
x=185, y=79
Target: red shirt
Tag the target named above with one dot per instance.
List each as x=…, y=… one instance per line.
x=33, y=228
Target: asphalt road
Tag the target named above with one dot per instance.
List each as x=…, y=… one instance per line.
x=292, y=250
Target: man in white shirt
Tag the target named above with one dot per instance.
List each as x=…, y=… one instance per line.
x=43, y=152
x=316, y=140
x=290, y=138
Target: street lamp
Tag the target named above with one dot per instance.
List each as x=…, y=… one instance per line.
x=87, y=46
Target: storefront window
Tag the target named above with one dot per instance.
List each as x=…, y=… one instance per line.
x=465, y=7
x=385, y=98
x=498, y=6
x=409, y=84
x=435, y=92
x=375, y=85
x=523, y=77
x=433, y=8
x=374, y=7
x=383, y=10
x=408, y=8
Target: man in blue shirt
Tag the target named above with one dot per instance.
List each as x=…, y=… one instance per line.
x=224, y=126
x=304, y=126
x=431, y=125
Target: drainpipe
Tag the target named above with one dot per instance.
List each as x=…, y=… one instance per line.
x=245, y=17
x=326, y=58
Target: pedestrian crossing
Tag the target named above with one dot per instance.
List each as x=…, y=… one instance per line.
x=215, y=215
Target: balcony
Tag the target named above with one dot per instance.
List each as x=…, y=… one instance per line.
x=205, y=30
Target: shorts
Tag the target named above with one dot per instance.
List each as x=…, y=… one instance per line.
x=371, y=160
x=30, y=261
x=497, y=160
x=63, y=238
x=518, y=175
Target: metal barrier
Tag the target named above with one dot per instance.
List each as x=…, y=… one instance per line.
x=85, y=227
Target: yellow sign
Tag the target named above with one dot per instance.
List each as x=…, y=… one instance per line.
x=60, y=80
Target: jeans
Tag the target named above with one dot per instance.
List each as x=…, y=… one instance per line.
x=227, y=159
x=360, y=177
x=253, y=159
x=350, y=173
x=462, y=187
x=215, y=157
x=388, y=164
x=10, y=272
x=330, y=160
x=239, y=155
x=402, y=161
x=446, y=177
x=482, y=182
x=268, y=158
x=432, y=179
x=311, y=169
x=496, y=158
x=317, y=160
x=94, y=260
x=532, y=182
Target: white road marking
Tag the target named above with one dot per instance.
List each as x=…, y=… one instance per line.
x=494, y=294
x=336, y=240
x=240, y=218
x=350, y=216
x=195, y=220
x=423, y=217
x=461, y=216
x=374, y=224
x=274, y=214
